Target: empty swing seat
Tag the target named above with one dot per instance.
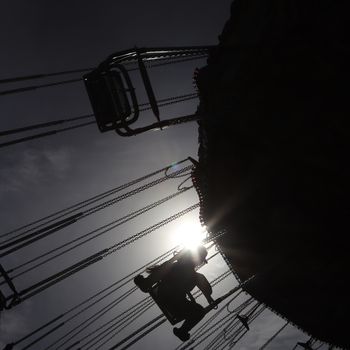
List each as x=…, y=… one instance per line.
x=108, y=98
x=113, y=97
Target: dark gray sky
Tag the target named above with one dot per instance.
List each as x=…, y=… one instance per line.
x=40, y=177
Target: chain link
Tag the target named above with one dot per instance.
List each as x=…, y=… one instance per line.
x=59, y=214
x=168, y=61
x=133, y=192
x=149, y=230
x=170, y=100
x=104, y=229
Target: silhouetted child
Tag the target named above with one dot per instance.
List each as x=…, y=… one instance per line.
x=175, y=279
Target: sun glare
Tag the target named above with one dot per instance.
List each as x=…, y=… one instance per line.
x=189, y=235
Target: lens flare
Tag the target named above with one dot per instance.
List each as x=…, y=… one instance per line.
x=190, y=235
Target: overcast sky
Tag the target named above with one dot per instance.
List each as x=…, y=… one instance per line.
x=40, y=177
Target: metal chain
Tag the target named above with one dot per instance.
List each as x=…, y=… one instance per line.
x=216, y=237
x=201, y=329
x=220, y=324
x=104, y=229
x=44, y=125
x=273, y=336
x=87, y=202
x=149, y=230
x=34, y=87
x=114, y=329
x=218, y=339
x=50, y=281
x=198, y=57
x=174, y=98
x=90, y=320
x=168, y=61
x=224, y=320
x=131, y=193
x=160, y=317
x=171, y=103
x=125, y=279
x=197, y=294
x=233, y=342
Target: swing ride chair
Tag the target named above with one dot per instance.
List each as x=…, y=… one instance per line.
x=172, y=317
x=113, y=96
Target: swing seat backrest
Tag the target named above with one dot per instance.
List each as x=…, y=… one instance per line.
x=169, y=314
x=108, y=98
x=116, y=107
x=2, y=301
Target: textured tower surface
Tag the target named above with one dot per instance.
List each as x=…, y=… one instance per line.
x=274, y=164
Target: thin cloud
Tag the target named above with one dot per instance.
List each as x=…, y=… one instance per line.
x=14, y=324
x=59, y=160
x=33, y=167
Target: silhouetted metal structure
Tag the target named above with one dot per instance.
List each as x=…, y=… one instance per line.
x=273, y=168
x=112, y=93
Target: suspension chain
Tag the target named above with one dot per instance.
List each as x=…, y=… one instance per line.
x=59, y=214
x=149, y=230
x=104, y=229
x=133, y=192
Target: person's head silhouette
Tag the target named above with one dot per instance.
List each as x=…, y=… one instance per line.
x=194, y=257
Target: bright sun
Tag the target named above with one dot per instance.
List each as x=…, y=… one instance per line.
x=190, y=235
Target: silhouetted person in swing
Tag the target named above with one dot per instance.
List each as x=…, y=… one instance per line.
x=177, y=278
